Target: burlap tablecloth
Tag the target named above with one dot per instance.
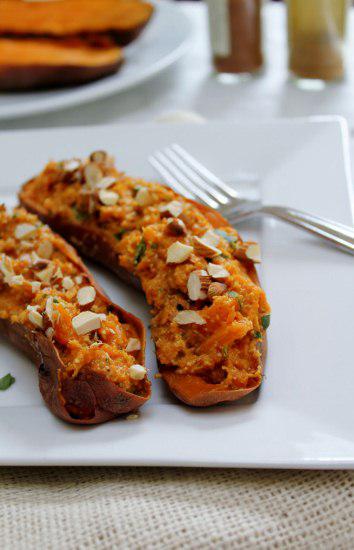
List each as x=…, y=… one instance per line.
x=153, y=508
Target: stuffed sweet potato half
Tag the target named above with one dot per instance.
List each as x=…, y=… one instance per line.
x=209, y=314
x=89, y=352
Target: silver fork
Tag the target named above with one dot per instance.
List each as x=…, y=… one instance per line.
x=186, y=175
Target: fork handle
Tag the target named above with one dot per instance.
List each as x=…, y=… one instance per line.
x=337, y=233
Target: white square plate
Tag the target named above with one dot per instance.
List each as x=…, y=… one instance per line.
x=303, y=415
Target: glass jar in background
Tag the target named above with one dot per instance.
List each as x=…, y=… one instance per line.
x=316, y=32
x=235, y=36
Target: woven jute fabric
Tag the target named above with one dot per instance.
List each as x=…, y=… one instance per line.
x=153, y=508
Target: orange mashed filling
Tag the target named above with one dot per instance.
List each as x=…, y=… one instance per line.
x=227, y=348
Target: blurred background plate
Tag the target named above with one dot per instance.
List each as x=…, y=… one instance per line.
x=163, y=42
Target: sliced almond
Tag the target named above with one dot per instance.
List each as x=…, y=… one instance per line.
x=35, y=318
x=178, y=253
x=204, y=249
x=102, y=316
x=86, y=295
x=45, y=250
x=86, y=322
x=49, y=332
x=253, y=252
x=176, y=227
x=197, y=283
x=144, y=196
x=137, y=372
x=211, y=238
x=16, y=280
x=71, y=165
x=217, y=271
x=93, y=174
x=36, y=285
x=58, y=274
x=67, y=283
x=133, y=345
x=173, y=208
x=25, y=230
x=46, y=274
x=188, y=317
x=108, y=198
x=98, y=156
x=36, y=261
x=6, y=267
x=216, y=289
x=106, y=182
x=49, y=308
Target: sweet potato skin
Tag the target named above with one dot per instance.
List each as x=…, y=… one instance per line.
x=190, y=389
x=90, y=398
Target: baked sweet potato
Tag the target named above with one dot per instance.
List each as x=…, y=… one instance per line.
x=123, y=19
x=42, y=63
x=89, y=352
x=209, y=314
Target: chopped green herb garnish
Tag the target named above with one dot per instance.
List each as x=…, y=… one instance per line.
x=55, y=301
x=225, y=352
x=120, y=234
x=79, y=215
x=257, y=334
x=154, y=246
x=6, y=381
x=265, y=320
x=233, y=294
x=140, y=251
x=222, y=255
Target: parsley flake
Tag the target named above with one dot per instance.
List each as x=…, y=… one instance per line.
x=6, y=381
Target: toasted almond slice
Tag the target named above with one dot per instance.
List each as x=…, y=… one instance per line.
x=132, y=417
x=78, y=279
x=86, y=295
x=173, y=208
x=35, y=318
x=36, y=261
x=45, y=250
x=49, y=332
x=102, y=316
x=49, y=308
x=46, y=274
x=178, y=253
x=58, y=274
x=93, y=174
x=106, y=182
x=67, y=283
x=133, y=345
x=197, y=281
x=6, y=267
x=108, y=198
x=36, y=285
x=253, y=252
x=71, y=165
x=144, y=196
x=86, y=322
x=204, y=249
x=16, y=280
x=216, y=289
x=137, y=372
x=217, y=271
x=211, y=238
x=176, y=227
x=98, y=156
x=25, y=230
x=188, y=316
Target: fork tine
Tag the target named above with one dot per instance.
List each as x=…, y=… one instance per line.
x=204, y=172
x=193, y=175
x=183, y=181
x=169, y=179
